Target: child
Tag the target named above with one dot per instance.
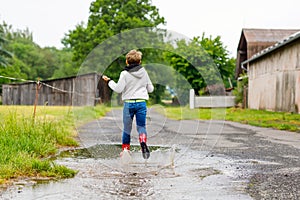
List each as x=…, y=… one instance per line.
x=134, y=84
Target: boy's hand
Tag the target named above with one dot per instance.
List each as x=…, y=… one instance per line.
x=105, y=78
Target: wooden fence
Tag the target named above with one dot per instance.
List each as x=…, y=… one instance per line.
x=82, y=90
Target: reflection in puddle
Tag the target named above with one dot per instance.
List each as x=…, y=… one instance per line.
x=105, y=151
x=110, y=156
x=103, y=174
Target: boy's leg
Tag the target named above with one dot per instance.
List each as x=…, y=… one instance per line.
x=127, y=126
x=141, y=113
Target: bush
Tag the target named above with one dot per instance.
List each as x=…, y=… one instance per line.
x=238, y=92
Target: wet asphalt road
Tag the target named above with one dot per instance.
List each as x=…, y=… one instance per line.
x=213, y=160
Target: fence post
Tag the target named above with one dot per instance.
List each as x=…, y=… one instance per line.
x=192, y=99
x=38, y=86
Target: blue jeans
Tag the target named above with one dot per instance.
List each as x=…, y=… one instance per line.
x=139, y=110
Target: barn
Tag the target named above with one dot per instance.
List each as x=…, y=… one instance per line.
x=274, y=76
x=253, y=41
x=82, y=90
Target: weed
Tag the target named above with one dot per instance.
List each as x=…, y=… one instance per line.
x=26, y=144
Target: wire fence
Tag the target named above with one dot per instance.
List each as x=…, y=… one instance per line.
x=37, y=82
x=16, y=79
x=39, y=85
x=88, y=96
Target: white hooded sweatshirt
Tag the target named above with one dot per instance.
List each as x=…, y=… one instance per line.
x=133, y=84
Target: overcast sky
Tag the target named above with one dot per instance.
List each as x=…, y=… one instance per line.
x=49, y=20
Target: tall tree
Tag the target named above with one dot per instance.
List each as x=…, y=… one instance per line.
x=108, y=18
x=29, y=60
x=66, y=67
x=4, y=54
x=203, y=61
x=219, y=54
x=109, y=24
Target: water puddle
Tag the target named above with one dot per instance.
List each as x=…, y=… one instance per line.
x=169, y=173
x=127, y=161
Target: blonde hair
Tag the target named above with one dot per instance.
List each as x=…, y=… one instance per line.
x=134, y=57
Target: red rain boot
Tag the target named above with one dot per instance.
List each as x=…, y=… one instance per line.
x=143, y=141
x=126, y=146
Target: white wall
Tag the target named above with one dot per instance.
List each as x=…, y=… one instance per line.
x=274, y=80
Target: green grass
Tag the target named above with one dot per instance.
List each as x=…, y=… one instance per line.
x=26, y=145
x=276, y=120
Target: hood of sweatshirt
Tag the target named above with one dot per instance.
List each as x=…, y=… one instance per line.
x=135, y=70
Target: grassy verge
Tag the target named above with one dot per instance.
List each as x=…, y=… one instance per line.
x=277, y=120
x=26, y=144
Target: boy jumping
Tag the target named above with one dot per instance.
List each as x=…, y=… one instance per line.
x=134, y=84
